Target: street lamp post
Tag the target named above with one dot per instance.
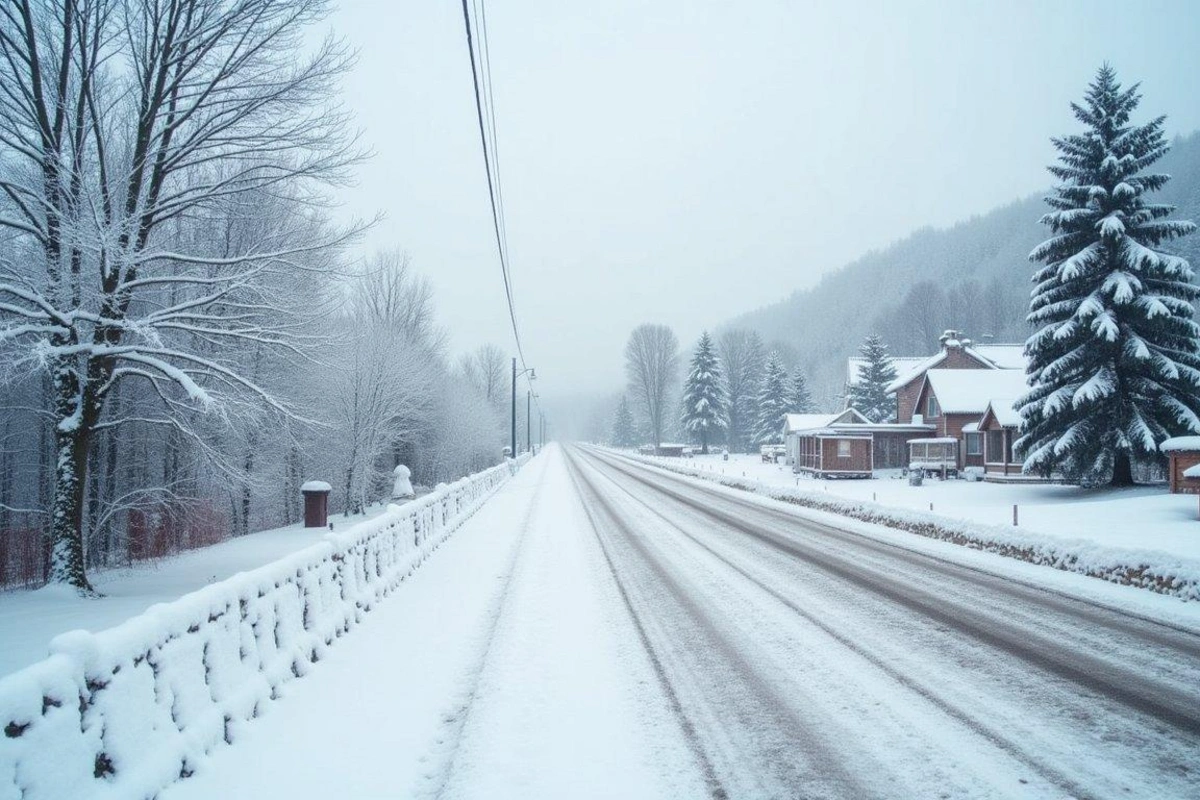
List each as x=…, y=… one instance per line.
x=513, y=427
x=528, y=421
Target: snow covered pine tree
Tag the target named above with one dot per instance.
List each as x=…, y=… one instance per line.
x=1113, y=365
x=868, y=394
x=773, y=402
x=800, y=400
x=624, y=432
x=704, y=394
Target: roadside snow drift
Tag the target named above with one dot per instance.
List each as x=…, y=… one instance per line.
x=124, y=712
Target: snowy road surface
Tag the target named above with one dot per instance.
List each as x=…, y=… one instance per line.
x=602, y=629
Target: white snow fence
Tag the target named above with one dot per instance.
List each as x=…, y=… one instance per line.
x=127, y=711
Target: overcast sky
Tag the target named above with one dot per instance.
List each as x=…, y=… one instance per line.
x=682, y=161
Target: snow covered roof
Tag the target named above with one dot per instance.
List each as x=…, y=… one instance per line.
x=316, y=486
x=808, y=422
x=1178, y=443
x=968, y=391
x=995, y=356
x=1004, y=356
x=937, y=440
x=1005, y=411
x=1192, y=472
x=971, y=427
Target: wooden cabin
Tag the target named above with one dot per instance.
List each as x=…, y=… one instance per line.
x=829, y=453
x=1183, y=453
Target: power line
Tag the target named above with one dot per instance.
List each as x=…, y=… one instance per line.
x=490, y=157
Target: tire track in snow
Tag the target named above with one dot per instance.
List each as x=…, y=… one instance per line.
x=750, y=725
x=1128, y=686
x=964, y=717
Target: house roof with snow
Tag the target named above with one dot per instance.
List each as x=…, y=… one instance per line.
x=989, y=356
x=969, y=391
x=1180, y=443
x=1003, y=410
x=810, y=422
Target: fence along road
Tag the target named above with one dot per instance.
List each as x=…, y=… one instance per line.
x=807, y=660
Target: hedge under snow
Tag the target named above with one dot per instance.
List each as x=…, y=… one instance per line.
x=124, y=712
x=1146, y=569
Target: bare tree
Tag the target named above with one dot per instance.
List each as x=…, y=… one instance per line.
x=124, y=126
x=485, y=368
x=652, y=366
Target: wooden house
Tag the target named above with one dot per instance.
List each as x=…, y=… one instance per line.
x=828, y=453
x=954, y=401
x=794, y=424
x=957, y=353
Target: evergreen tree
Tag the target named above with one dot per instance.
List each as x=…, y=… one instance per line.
x=1114, y=366
x=800, y=399
x=773, y=402
x=868, y=394
x=624, y=430
x=704, y=394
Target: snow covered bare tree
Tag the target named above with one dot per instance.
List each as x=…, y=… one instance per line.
x=652, y=365
x=741, y=354
x=773, y=402
x=704, y=409
x=1113, y=365
x=124, y=124
x=868, y=394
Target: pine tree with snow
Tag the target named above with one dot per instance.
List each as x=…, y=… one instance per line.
x=1114, y=365
x=624, y=429
x=800, y=399
x=704, y=394
x=774, y=402
x=868, y=394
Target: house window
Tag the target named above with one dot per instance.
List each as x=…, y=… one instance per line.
x=843, y=448
x=931, y=407
x=974, y=444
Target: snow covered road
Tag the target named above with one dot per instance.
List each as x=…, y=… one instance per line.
x=603, y=629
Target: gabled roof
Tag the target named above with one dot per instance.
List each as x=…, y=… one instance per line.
x=809, y=422
x=968, y=391
x=989, y=356
x=1003, y=410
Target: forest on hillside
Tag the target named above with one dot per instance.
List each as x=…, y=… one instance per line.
x=973, y=277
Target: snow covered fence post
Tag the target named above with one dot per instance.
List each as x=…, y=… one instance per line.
x=316, y=503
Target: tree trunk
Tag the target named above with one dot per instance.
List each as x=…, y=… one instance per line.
x=704, y=443
x=1122, y=474
x=66, y=517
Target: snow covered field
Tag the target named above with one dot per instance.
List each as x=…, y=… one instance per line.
x=30, y=619
x=1140, y=518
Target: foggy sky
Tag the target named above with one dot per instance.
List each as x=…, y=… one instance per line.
x=683, y=161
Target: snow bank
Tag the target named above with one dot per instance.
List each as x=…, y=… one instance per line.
x=126, y=711
x=1155, y=570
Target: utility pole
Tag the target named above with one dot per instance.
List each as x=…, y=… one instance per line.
x=513, y=451
x=528, y=422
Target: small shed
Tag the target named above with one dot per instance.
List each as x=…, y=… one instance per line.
x=1183, y=453
x=670, y=450
x=938, y=454
x=828, y=453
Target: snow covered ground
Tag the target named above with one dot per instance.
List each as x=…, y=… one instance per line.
x=504, y=667
x=1140, y=518
x=30, y=619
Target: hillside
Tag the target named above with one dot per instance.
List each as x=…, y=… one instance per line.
x=973, y=276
